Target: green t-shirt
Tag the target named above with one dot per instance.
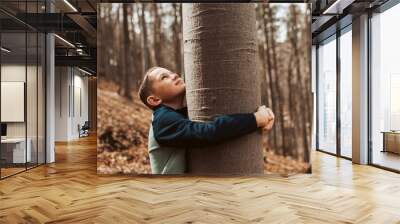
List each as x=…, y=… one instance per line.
x=165, y=160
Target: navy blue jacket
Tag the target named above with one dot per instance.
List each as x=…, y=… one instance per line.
x=173, y=128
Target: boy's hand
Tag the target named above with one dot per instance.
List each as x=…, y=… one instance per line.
x=265, y=118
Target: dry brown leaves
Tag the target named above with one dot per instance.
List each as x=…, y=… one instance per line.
x=123, y=127
x=282, y=165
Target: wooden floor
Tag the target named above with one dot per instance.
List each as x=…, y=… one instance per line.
x=10, y=171
x=387, y=159
x=70, y=191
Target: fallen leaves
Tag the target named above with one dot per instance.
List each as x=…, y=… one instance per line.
x=283, y=165
x=123, y=127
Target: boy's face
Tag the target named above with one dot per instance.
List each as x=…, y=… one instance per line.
x=166, y=85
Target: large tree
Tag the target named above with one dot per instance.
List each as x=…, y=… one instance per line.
x=144, y=41
x=126, y=85
x=176, y=28
x=220, y=49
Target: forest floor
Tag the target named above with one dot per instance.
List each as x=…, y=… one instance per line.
x=123, y=127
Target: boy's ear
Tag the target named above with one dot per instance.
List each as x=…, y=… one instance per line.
x=153, y=101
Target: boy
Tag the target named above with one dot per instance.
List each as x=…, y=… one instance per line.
x=171, y=131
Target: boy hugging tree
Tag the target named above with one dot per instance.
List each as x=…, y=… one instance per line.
x=171, y=132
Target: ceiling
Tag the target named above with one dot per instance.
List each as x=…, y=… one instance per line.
x=74, y=22
x=330, y=15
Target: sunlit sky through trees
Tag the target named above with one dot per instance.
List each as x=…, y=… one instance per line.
x=281, y=14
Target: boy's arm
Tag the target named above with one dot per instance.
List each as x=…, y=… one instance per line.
x=174, y=130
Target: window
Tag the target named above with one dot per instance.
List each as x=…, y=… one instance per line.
x=346, y=92
x=385, y=88
x=327, y=95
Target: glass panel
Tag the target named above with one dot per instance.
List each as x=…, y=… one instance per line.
x=327, y=96
x=13, y=87
x=41, y=98
x=346, y=94
x=31, y=98
x=385, y=86
x=23, y=87
x=313, y=81
x=31, y=86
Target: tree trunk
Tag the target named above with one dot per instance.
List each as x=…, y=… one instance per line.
x=300, y=106
x=279, y=102
x=115, y=42
x=265, y=94
x=125, y=85
x=292, y=113
x=309, y=102
x=181, y=38
x=104, y=43
x=157, y=36
x=119, y=52
x=268, y=57
x=220, y=65
x=145, y=45
x=176, y=37
x=101, y=55
x=136, y=69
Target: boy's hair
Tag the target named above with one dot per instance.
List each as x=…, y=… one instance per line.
x=146, y=87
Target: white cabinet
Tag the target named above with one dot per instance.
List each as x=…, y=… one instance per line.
x=16, y=147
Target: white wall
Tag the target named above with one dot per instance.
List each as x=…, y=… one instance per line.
x=71, y=94
x=80, y=110
x=61, y=103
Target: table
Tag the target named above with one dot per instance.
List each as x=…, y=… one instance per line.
x=391, y=141
x=13, y=150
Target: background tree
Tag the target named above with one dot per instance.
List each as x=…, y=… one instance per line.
x=144, y=40
x=125, y=86
x=177, y=39
x=157, y=34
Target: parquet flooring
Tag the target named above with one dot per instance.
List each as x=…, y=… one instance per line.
x=10, y=171
x=70, y=191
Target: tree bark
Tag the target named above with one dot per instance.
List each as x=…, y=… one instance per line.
x=279, y=125
x=220, y=65
x=135, y=62
x=309, y=102
x=157, y=36
x=300, y=105
x=101, y=55
x=117, y=52
x=265, y=94
x=292, y=113
x=181, y=38
x=176, y=38
x=145, y=45
x=268, y=56
x=126, y=82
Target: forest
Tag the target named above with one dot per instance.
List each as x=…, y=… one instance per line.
x=135, y=37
